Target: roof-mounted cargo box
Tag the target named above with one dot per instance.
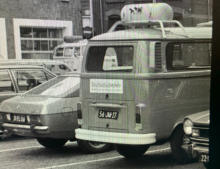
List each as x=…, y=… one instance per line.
x=149, y=15
x=146, y=12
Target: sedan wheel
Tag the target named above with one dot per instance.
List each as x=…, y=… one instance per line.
x=176, y=143
x=51, y=143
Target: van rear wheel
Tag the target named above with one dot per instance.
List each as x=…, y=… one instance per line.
x=129, y=151
x=176, y=143
x=52, y=143
x=93, y=147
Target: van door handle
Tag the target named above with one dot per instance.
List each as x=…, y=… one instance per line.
x=170, y=93
x=107, y=105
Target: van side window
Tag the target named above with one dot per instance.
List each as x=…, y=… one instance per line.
x=77, y=52
x=68, y=52
x=59, y=52
x=185, y=55
x=110, y=58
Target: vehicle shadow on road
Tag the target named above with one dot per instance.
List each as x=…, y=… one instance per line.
x=66, y=151
x=151, y=161
x=14, y=138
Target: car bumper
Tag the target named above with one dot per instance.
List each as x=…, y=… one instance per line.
x=200, y=152
x=28, y=130
x=116, y=138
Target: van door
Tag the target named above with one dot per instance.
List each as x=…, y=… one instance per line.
x=108, y=86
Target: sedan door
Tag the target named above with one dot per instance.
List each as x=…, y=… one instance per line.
x=7, y=86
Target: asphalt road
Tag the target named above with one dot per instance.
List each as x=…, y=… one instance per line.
x=20, y=153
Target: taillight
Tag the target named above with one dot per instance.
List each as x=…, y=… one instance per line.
x=34, y=119
x=138, y=115
x=79, y=114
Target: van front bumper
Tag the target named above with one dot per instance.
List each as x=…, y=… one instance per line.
x=116, y=138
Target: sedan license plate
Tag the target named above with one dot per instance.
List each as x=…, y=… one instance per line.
x=18, y=118
x=204, y=158
x=108, y=114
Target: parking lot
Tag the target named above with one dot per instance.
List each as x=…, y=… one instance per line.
x=27, y=153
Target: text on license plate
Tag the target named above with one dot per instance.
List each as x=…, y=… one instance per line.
x=18, y=118
x=108, y=114
x=204, y=158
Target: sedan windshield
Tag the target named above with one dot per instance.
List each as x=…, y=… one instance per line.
x=62, y=86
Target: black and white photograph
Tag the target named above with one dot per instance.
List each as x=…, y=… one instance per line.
x=107, y=84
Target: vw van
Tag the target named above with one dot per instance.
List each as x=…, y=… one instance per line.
x=162, y=75
x=71, y=52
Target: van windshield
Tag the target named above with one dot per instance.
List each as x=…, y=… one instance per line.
x=61, y=86
x=67, y=52
x=110, y=58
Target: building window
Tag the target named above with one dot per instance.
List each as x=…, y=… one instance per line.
x=39, y=42
x=3, y=40
x=36, y=39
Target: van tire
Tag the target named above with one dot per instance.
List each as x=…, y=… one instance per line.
x=176, y=141
x=131, y=151
x=52, y=143
x=93, y=147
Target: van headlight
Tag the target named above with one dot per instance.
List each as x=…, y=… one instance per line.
x=187, y=126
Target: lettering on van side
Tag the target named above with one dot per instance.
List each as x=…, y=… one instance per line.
x=106, y=86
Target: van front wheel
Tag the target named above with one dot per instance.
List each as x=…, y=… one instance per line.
x=176, y=143
x=129, y=151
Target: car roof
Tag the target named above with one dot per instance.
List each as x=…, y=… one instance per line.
x=156, y=33
x=20, y=67
x=34, y=61
x=74, y=44
x=71, y=74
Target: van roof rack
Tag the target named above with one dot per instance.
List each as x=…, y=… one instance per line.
x=205, y=24
x=161, y=23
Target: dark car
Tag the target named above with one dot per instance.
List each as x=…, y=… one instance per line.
x=196, y=128
x=15, y=79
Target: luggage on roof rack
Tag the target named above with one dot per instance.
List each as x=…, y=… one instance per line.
x=156, y=15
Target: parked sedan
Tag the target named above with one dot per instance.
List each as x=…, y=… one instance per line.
x=48, y=113
x=15, y=79
x=57, y=67
x=196, y=128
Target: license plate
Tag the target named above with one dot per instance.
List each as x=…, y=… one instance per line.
x=108, y=114
x=204, y=158
x=18, y=118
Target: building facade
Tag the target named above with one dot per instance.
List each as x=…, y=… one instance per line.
x=103, y=13
x=30, y=29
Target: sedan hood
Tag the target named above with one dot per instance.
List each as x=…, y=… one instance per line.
x=201, y=117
